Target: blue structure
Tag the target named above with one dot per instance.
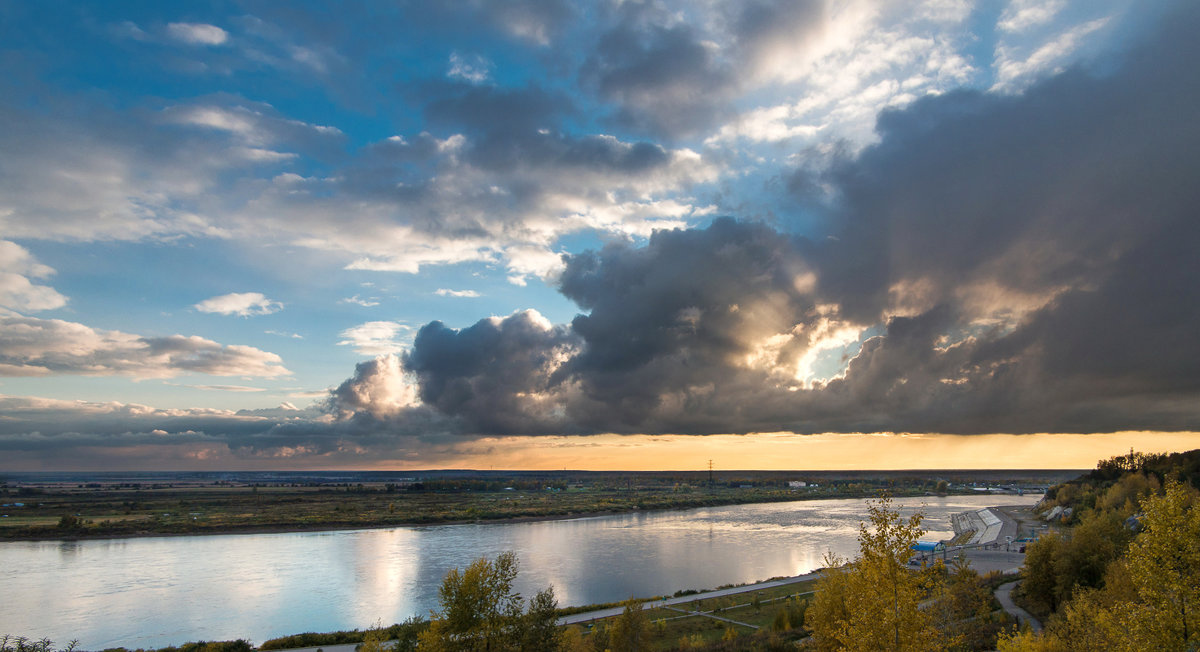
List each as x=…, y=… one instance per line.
x=929, y=546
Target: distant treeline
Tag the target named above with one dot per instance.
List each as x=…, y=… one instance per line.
x=1121, y=479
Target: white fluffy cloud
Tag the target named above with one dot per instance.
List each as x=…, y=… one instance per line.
x=242, y=304
x=375, y=337
x=446, y=292
x=37, y=347
x=369, y=302
x=469, y=67
x=197, y=33
x=1021, y=15
x=379, y=387
x=17, y=291
x=1015, y=68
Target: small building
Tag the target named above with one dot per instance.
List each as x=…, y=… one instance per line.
x=797, y=484
x=929, y=546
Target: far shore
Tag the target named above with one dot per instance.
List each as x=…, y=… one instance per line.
x=35, y=508
x=333, y=527
x=53, y=535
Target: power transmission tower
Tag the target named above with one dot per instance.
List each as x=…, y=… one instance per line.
x=710, y=475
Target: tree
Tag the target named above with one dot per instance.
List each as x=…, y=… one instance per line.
x=540, y=628
x=631, y=631
x=374, y=640
x=1040, y=584
x=9, y=643
x=1164, y=566
x=965, y=606
x=829, y=608
x=876, y=601
x=480, y=612
x=573, y=641
x=1098, y=540
x=1150, y=599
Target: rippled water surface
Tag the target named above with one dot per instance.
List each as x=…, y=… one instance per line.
x=154, y=592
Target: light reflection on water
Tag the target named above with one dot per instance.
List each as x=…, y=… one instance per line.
x=160, y=591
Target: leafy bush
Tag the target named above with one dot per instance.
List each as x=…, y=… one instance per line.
x=21, y=644
x=402, y=632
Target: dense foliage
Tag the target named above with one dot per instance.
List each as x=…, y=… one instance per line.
x=480, y=612
x=406, y=631
x=1119, y=483
x=10, y=643
x=877, y=602
x=1127, y=577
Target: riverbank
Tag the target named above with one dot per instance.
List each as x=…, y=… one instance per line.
x=722, y=604
x=39, y=507
x=123, y=514
x=324, y=527
x=996, y=525
x=261, y=587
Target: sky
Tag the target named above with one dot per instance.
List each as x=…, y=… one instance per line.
x=598, y=235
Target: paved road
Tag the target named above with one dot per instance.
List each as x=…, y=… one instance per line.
x=1004, y=595
x=616, y=611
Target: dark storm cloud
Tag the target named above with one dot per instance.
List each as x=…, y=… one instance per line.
x=671, y=79
x=494, y=111
x=1029, y=262
x=538, y=21
x=663, y=347
x=1069, y=212
x=678, y=311
x=499, y=375
x=520, y=128
x=656, y=75
x=1013, y=263
x=766, y=25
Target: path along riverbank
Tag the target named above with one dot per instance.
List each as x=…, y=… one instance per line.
x=986, y=550
x=986, y=554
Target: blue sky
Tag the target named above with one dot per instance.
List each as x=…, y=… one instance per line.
x=223, y=225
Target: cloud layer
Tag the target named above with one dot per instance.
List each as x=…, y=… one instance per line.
x=996, y=264
x=770, y=216
x=19, y=291
x=36, y=347
x=242, y=304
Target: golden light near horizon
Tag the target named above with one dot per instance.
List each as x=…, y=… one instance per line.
x=789, y=451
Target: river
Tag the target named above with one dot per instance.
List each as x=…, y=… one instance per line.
x=153, y=592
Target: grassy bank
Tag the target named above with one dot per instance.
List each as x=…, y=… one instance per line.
x=87, y=511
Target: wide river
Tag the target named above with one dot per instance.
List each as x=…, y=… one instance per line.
x=153, y=592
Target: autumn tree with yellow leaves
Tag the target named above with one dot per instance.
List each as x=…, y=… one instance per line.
x=874, y=603
x=481, y=612
x=1151, y=596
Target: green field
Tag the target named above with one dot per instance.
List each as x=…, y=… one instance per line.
x=66, y=510
x=705, y=621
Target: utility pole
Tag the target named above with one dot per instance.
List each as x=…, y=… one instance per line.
x=710, y=476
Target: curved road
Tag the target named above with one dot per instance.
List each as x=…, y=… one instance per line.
x=1004, y=595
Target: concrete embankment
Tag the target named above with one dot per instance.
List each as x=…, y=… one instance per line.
x=989, y=525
